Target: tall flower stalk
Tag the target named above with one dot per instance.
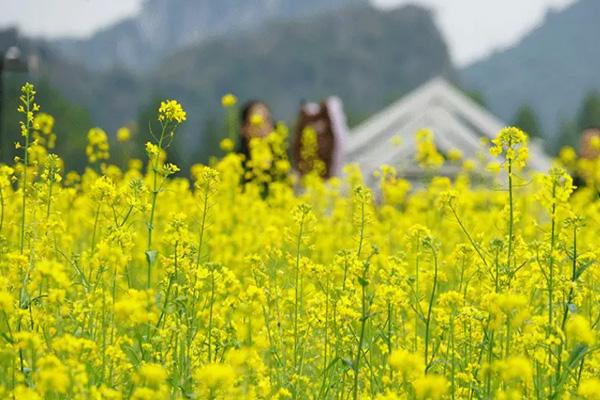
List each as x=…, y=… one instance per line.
x=170, y=116
x=28, y=108
x=511, y=143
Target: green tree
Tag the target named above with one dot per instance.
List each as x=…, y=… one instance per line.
x=527, y=120
x=568, y=135
x=477, y=97
x=72, y=121
x=589, y=113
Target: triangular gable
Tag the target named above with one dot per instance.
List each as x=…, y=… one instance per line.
x=455, y=119
x=384, y=151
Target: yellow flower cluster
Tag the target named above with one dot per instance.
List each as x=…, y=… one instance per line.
x=43, y=125
x=123, y=134
x=511, y=143
x=228, y=100
x=137, y=284
x=427, y=154
x=97, y=148
x=171, y=111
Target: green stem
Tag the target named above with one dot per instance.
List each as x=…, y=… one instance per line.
x=510, y=218
x=452, y=356
x=417, y=259
x=551, y=279
x=551, y=261
x=471, y=240
x=25, y=167
x=430, y=307
x=297, y=289
x=155, y=191
x=49, y=201
x=569, y=300
x=202, y=226
x=362, y=228
x=1, y=210
x=210, y=315
x=508, y=335
x=363, y=323
x=97, y=215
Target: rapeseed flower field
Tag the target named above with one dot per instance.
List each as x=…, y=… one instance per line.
x=140, y=284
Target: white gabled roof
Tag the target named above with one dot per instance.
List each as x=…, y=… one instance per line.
x=455, y=119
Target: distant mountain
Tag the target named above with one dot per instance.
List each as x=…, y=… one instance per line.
x=367, y=56
x=164, y=26
x=551, y=69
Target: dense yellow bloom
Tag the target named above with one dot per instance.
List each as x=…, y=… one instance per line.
x=408, y=364
x=43, y=125
x=427, y=154
x=144, y=284
x=567, y=155
x=558, y=186
x=515, y=368
x=509, y=303
x=431, y=387
x=53, y=375
x=6, y=302
x=216, y=376
x=136, y=307
x=580, y=331
x=152, y=149
x=97, y=148
x=25, y=393
x=394, y=190
x=590, y=389
x=151, y=375
x=511, y=142
x=171, y=111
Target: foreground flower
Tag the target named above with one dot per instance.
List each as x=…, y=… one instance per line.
x=171, y=111
x=511, y=142
x=142, y=284
x=431, y=387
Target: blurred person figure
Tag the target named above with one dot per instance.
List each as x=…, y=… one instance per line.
x=589, y=144
x=584, y=170
x=263, y=146
x=256, y=121
x=319, y=137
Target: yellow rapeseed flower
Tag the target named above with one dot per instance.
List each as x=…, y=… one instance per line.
x=228, y=100
x=123, y=134
x=6, y=302
x=589, y=389
x=580, y=331
x=171, y=111
x=431, y=387
x=216, y=376
x=151, y=374
x=407, y=364
x=227, y=144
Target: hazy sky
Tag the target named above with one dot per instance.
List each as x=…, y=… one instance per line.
x=473, y=28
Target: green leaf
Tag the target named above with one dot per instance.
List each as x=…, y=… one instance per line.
x=151, y=256
x=583, y=268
